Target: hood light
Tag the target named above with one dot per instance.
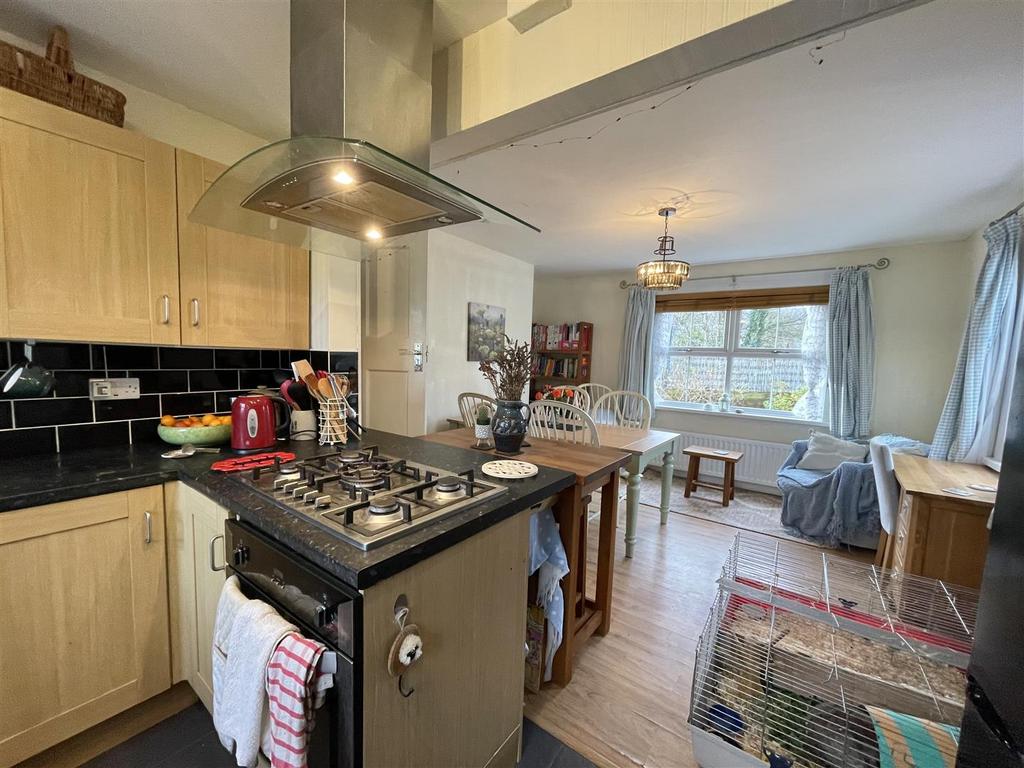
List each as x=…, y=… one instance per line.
x=343, y=178
x=373, y=234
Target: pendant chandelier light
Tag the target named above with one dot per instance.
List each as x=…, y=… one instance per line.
x=664, y=274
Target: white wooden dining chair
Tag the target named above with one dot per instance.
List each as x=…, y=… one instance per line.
x=594, y=392
x=554, y=420
x=623, y=409
x=470, y=402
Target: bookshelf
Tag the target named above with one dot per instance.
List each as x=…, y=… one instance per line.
x=561, y=355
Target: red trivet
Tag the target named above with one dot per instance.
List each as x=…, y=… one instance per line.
x=257, y=461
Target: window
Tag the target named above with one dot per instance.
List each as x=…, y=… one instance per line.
x=768, y=360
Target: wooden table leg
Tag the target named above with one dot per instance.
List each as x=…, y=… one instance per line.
x=692, y=471
x=632, y=503
x=726, y=485
x=732, y=480
x=606, y=551
x=568, y=514
x=668, y=466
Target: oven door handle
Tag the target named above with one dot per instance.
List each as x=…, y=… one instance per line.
x=213, y=554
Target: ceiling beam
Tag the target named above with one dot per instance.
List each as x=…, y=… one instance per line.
x=785, y=26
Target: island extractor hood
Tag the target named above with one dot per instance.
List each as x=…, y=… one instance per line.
x=359, y=69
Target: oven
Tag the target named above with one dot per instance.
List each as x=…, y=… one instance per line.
x=324, y=609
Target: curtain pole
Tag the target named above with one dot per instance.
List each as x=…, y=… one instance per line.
x=882, y=263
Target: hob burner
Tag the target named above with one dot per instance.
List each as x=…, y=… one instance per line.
x=448, y=484
x=350, y=457
x=386, y=505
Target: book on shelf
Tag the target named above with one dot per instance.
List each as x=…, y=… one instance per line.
x=567, y=337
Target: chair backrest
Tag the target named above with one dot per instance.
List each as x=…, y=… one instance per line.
x=594, y=392
x=580, y=398
x=553, y=420
x=623, y=409
x=469, y=402
x=885, y=483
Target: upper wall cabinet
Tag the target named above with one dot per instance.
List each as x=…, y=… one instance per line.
x=88, y=245
x=236, y=291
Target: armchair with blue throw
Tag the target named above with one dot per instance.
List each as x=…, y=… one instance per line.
x=830, y=507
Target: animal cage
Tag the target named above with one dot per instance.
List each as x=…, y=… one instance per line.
x=824, y=662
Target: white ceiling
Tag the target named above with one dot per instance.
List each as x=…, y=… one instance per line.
x=911, y=130
x=224, y=58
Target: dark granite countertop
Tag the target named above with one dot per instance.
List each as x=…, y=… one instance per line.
x=38, y=480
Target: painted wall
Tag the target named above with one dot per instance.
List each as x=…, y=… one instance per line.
x=166, y=120
x=920, y=305
x=459, y=272
x=497, y=69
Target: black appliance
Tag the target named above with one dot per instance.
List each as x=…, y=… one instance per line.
x=992, y=732
x=324, y=609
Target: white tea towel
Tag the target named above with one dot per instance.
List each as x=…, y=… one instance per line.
x=239, y=695
x=231, y=599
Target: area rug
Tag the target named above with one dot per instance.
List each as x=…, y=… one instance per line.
x=750, y=510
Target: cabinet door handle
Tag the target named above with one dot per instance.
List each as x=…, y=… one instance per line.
x=166, y=303
x=195, y=312
x=213, y=553
x=148, y=516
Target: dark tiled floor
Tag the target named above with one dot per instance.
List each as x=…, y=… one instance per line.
x=187, y=740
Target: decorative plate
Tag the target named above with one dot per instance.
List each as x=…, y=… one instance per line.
x=508, y=469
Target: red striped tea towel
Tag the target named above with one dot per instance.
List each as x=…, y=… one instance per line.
x=295, y=689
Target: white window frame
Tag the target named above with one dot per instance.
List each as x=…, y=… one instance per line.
x=730, y=352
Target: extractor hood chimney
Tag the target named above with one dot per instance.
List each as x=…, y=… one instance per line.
x=360, y=123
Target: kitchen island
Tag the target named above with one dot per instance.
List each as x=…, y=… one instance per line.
x=463, y=579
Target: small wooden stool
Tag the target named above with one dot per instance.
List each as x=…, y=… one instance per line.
x=729, y=458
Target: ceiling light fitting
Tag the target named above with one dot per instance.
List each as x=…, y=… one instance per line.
x=663, y=274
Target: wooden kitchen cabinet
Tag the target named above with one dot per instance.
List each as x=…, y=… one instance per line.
x=236, y=291
x=83, y=596
x=88, y=242
x=469, y=603
x=195, y=537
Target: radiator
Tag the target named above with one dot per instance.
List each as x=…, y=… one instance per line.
x=758, y=466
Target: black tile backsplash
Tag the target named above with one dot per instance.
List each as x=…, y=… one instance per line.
x=236, y=358
x=49, y=412
x=212, y=380
x=75, y=436
x=24, y=442
x=131, y=357
x=176, y=380
x=119, y=410
x=181, y=357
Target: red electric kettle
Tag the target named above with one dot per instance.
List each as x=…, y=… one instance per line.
x=257, y=419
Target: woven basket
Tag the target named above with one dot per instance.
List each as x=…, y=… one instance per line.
x=53, y=79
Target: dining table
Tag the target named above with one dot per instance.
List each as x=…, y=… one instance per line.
x=596, y=469
x=643, y=447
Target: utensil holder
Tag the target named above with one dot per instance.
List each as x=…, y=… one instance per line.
x=333, y=417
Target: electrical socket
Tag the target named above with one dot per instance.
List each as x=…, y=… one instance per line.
x=113, y=389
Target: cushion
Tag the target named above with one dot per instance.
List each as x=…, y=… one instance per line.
x=825, y=452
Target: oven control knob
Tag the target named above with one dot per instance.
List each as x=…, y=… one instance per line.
x=323, y=501
x=241, y=555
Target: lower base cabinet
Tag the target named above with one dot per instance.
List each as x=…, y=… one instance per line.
x=195, y=548
x=83, y=601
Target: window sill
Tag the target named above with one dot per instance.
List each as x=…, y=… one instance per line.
x=741, y=415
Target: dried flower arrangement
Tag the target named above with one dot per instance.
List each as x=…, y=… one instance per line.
x=509, y=372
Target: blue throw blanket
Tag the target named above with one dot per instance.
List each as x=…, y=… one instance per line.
x=830, y=507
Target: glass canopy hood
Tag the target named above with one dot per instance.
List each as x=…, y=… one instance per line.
x=349, y=187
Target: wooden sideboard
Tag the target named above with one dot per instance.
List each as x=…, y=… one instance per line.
x=940, y=534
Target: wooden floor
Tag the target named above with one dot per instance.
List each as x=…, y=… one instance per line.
x=627, y=702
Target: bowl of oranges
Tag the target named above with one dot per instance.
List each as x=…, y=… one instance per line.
x=208, y=429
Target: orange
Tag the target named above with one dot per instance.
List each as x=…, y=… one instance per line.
x=208, y=419
x=167, y=420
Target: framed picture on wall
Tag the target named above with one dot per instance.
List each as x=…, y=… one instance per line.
x=486, y=331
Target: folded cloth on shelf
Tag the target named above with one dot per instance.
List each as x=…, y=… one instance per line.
x=548, y=555
x=905, y=741
x=296, y=688
x=246, y=632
